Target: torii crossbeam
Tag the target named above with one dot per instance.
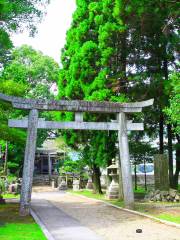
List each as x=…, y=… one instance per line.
x=121, y=124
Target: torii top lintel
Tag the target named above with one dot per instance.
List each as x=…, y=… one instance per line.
x=75, y=105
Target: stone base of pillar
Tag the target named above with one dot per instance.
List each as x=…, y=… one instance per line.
x=24, y=210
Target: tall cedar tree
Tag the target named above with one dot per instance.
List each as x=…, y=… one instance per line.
x=118, y=50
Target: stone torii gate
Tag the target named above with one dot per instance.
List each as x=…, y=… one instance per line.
x=121, y=124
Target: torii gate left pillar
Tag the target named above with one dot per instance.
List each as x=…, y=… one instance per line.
x=28, y=167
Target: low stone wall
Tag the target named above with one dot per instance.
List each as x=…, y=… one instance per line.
x=43, y=180
x=166, y=196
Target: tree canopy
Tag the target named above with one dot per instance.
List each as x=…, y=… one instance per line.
x=28, y=74
x=15, y=16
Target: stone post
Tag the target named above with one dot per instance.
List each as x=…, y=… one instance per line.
x=76, y=185
x=49, y=166
x=53, y=183
x=161, y=177
x=125, y=162
x=28, y=167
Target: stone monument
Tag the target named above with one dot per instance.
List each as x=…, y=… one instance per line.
x=63, y=184
x=161, y=177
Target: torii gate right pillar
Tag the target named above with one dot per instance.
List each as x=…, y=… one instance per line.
x=125, y=162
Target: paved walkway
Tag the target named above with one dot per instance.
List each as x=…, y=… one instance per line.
x=70, y=217
x=60, y=225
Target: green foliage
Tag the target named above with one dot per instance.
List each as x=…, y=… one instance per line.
x=120, y=51
x=10, y=196
x=34, y=70
x=69, y=166
x=16, y=16
x=173, y=111
x=27, y=74
x=90, y=194
x=87, y=72
x=75, y=167
x=141, y=151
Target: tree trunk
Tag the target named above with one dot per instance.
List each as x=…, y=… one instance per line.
x=161, y=128
x=96, y=179
x=5, y=160
x=176, y=175
x=170, y=154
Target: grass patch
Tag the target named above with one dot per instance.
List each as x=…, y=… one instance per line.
x=157, y=210
x=169, y=217
x=10, y=195
x=140, y=190
x=14, y=227
x=90, y=194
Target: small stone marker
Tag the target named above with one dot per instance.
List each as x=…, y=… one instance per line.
x=63, y=185
x=76, y=184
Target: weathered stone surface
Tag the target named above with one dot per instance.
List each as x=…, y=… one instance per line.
x=125, y=162
x=109, y=126
x=76, y=105
x=158, y=197
x=164, y=193
x=14, y=188
x=28, y=167
x=76, y=185
x=63, y=185
x=166, y=196
x=172, y=192
x=113, y=191
x=177, y=198
x=161, y=176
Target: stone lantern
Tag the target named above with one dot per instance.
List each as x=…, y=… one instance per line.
x=113, y=189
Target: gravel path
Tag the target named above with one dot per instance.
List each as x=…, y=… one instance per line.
x=109, y=222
